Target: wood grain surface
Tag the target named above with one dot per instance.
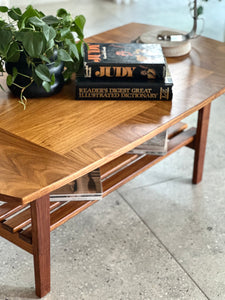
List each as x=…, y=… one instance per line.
x=58, y=139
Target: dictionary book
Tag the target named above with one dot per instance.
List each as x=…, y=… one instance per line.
x=113, y=61
x=87, y=89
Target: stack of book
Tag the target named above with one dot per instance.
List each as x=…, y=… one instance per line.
x=155, y=146
x=132, y=71
x=85, y=188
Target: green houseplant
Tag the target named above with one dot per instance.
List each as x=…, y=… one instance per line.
x=44, y=44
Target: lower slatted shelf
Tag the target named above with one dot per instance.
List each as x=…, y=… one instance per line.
x=59, y=216
x=22, y=219
x=117, y=179
x=17, y=228
x=15, y=239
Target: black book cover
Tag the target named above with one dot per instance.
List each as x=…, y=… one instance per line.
x=87, y=89
x=112, y=61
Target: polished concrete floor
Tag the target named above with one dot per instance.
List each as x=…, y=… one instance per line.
x=158, y=236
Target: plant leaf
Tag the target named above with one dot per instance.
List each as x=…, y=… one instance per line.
x=6, y=37
x=3, y=9
x=50, y=20
x=15, y=13
x=32, y=41
x=50, y=44
x=64, y=31
x=66, y=75
x=78, y=26
x=80, y=21
x=15, y=73
x=43, y=73
x=22, y=23
x=61, y=12
x=49, y=32
x=36, y=21
x=45, y=58
x=41, y=14
x=52, y=33
x=46, y=85
x=64, y=56
x=72, y=47
x=200, y=10
x=52, y=79
x=80, y=48
x=9, y=80
x=13, y=53
x=29, y=12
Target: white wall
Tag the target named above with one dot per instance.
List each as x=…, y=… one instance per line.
x=27, y=2
x=5, y=2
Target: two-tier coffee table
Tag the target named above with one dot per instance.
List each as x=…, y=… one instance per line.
x=56, y=140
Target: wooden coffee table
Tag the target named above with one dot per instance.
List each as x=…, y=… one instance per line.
x=56, y=140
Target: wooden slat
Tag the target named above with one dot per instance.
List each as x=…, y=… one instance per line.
x=15, y=239
x=116, y=164
x=125, y=175
x=176, y=129
x=68, y=211
x=23, y=219
x=59, y=216
x=6, y=210
x=17, y=222
x=26, y=235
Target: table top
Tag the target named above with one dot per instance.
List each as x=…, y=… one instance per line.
x=58, y=139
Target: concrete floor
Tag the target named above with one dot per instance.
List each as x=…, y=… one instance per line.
x=157, y=237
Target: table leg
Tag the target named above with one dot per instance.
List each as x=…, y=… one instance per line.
x=200, y=143
x=40, y=214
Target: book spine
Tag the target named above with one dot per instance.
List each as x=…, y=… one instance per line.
x=123, y=72
x=156, y=92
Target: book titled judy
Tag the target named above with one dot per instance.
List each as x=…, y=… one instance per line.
x=85, y=188
x=87, y=89
x=112, y=61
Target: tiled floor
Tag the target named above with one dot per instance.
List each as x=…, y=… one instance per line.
x=157, y=237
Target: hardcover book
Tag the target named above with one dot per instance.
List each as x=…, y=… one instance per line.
x=87, y=187
x=112, y=61
x=87, y=89
x=155, y=146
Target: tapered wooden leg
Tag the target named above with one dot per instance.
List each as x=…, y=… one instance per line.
x=200, y=143
x=40, y=214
